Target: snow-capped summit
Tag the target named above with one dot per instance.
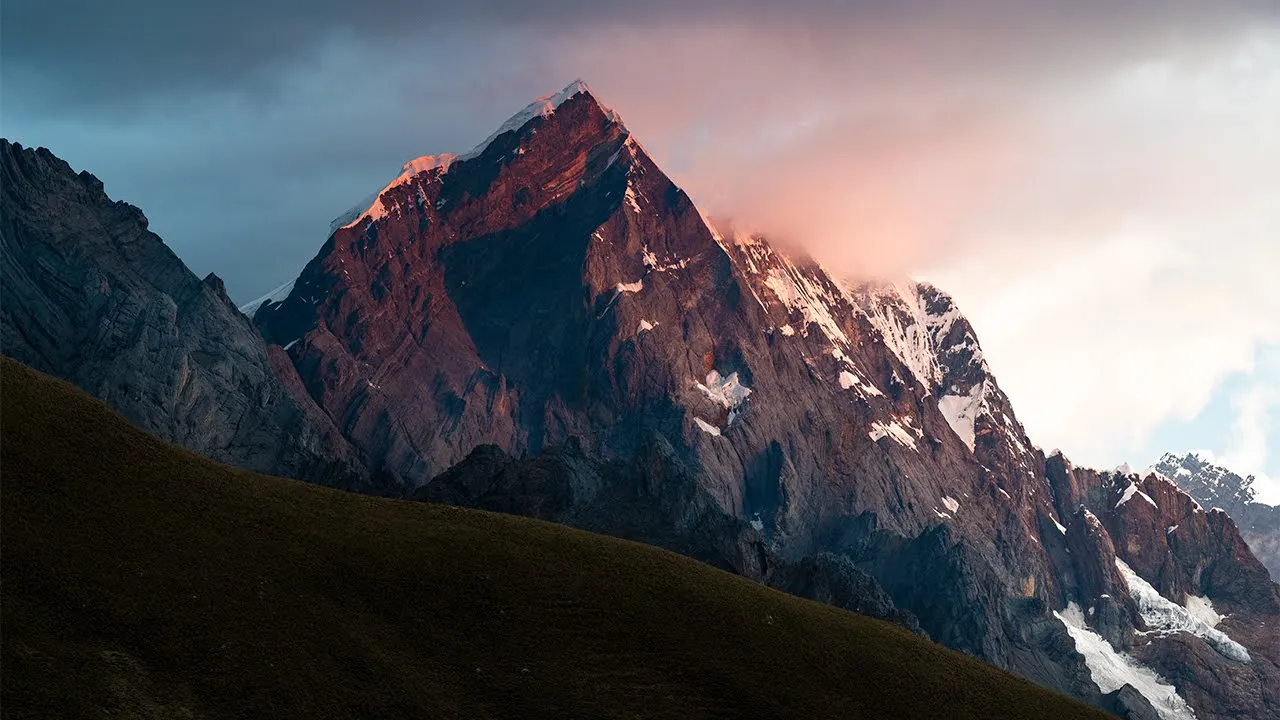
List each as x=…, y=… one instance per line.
x=275, y=295
x=541, y=107
x=372, y=206
x=1213, y=485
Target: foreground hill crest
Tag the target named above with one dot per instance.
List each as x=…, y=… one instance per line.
x=142, y=581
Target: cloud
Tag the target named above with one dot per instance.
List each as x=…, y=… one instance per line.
x=1136, y=263
x=1253, y=430
x=119, y=53
x=1249, y=431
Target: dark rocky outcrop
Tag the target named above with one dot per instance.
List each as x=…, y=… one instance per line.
x=651, y=499
x=89, y=294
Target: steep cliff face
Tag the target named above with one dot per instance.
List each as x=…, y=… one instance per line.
x=87, y=293
x=553, y=288
x=1174, y=587
x=1215, y=486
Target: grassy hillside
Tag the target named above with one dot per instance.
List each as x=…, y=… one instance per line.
x=141, y=581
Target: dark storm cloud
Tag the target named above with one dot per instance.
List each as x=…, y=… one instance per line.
x=90, y=52
x=243, y=182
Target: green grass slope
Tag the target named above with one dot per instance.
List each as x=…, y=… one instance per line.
x=141, y=581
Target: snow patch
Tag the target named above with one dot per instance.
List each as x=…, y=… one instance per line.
x=1161, y=615
x=851, y=381
x=787, y=330
x=727, y=391
x=651, y=261
x=645, y=326
x=1111, y=670
x=799, y=292
x=1092, y=519
x=1202, y=609
x=902, y=321
x=373, y=207
x=892, y=430
x=961, y=412
x=631, y=198
x=1132, y=490
x=631, y=287
x=417, y=166
x=950, y=503
x=706, y=427
x=278, y=294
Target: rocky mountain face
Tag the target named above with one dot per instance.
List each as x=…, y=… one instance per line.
x=1159, y=575
x=1215, y=486
x=87, y=293
x=548, y=326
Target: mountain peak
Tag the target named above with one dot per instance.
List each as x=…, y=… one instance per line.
x=1205, y=479
x=542, y=107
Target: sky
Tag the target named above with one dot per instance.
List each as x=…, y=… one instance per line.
x=1097, y=183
